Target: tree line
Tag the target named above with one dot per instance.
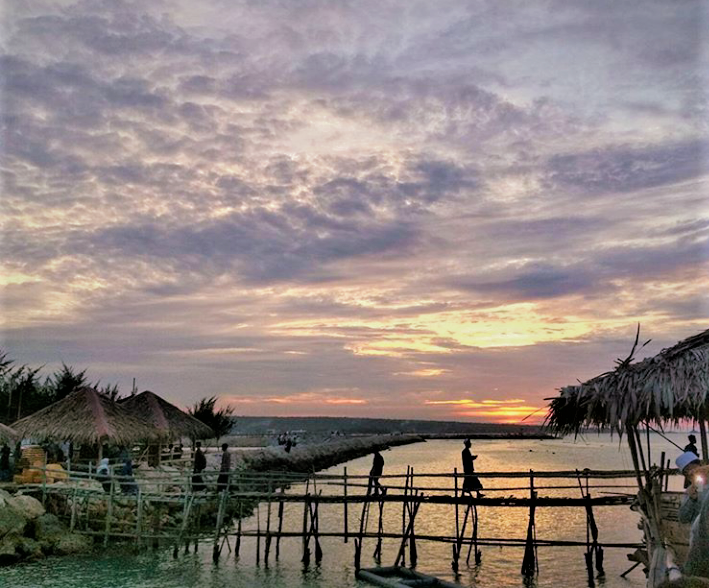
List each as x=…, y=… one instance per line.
x=23, y=391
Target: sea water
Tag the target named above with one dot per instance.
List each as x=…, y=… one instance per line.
x=561, y=567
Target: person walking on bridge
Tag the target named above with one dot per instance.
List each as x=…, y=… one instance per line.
x=223, y=479
x=200, y=463
x=374, y=474
x=471, y=482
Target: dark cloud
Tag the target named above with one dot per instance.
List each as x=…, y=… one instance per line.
x=628, y=168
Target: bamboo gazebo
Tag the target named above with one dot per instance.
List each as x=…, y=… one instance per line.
x=85, y=416
x=668, y=389
x=7, y=434
x=168, y=420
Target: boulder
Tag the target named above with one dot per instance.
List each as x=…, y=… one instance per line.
x=12, y=519
x=48, y=530
x=29, y=549
x=31, y=508
x=73, y=543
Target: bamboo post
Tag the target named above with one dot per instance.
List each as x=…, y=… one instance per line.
x=73, y=510
x=237, y=547
x=267, y=547
x=529, y=565
x=306, y=538
x=407, y=531
x=345, y=504
x=280, y=524
x=703, y=437
x=109, y=511
x=139, y=517
x=413, y=552
x=220, y=522
x=316, y=523
x=258, y=535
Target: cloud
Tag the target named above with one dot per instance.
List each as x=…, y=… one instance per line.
x=628, y=168
x=347, y=205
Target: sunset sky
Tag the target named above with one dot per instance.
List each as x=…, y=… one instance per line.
x=407, y=209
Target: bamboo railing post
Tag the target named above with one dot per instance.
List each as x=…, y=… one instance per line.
x=258, y=535
x=413, y=552
x=529, y=565
x=703, y=437
x=280, y=524
x=267, y=545
x=109, y=511
x=237, y=547
x=306, y=536
x=345, y=504
x=72, y=524
x=220, y=522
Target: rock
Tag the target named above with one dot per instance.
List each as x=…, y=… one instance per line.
x=29, y=549
x=8, y=549
x=31, y=508
x=48, y=530
x=73, y=543
x=12, y=519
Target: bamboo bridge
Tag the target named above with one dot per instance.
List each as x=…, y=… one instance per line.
x=165, y=511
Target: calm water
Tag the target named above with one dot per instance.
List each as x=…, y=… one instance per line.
x=500, y=567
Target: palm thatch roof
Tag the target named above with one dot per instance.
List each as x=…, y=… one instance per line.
x=85, y=416
x=7, y=434
x=169, y=421
x=667, y=388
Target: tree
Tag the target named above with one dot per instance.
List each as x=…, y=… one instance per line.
x=66, y=380
x=21, y=392
x=220, y=421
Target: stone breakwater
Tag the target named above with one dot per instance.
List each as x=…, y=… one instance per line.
x=27, y=532
x=312, y=458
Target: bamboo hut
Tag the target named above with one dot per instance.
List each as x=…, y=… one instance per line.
x=669, y=388
x=7, y=435
x=85, y=416
x=169, y=421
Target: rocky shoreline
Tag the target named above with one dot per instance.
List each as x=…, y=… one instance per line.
x=28, y=532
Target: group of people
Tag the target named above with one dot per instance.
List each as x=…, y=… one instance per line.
x=471, y=483
x=200, y=464
x=694, y=509
x=126, y=481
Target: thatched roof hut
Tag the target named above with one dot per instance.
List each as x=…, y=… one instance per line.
x=667, y=388
x=7, y=435
x=85, y=416
x=169, y=421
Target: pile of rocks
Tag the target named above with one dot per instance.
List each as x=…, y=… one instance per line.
x=27, y=532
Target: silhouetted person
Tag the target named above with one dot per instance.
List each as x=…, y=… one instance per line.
x=178, y=451
x=375, y=473
x=5, y=472
x=103, y=474
x=694, y=510
x=471, y=483
x=200, y=462
x=127, y=482
x=692, y=445
x=223, y=478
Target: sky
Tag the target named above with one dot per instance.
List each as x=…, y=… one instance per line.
x=405, y=209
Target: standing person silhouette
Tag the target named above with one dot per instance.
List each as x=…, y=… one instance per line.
x=692, y=445
x=374, y=473
x=471, y=482
x=200, y=463
x=223, y=479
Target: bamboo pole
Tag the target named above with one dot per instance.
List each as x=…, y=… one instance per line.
x=267, y=546
x=109, y=511
x=703, y=437
x=280, y=524
x=345, y=504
